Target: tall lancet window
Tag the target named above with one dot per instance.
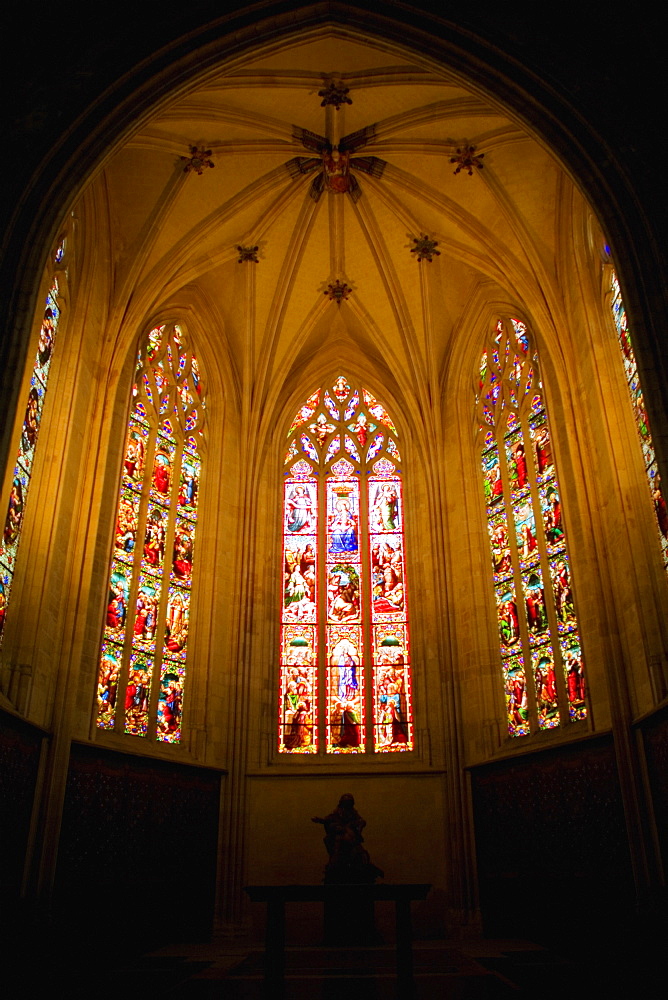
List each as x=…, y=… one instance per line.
x=344, y=648
x=539, y=640
x=640, y=414
x=145, y=644
x=18, y=494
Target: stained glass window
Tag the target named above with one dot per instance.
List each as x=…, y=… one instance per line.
x=11, y=535
x=640, y=414
x=539, y=639
x=144, y=653
x=345, y=684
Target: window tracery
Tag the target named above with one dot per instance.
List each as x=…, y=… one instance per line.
x=539, y=640
x=344, y=595
x=150, y=581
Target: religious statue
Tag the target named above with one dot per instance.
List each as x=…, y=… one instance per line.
x=349, y=862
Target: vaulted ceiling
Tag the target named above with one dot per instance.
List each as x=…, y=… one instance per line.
x=493, y=223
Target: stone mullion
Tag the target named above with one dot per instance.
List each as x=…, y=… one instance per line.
x=367, y=627
x=321, y=615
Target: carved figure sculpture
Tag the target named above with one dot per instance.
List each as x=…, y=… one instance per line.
x=348, y=861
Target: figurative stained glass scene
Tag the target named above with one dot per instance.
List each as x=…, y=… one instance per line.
x=344, y=620
x=640, y=414
x=145, y=644
x=539, y=644
x=18, y=494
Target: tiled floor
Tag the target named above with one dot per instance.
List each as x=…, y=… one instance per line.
x=476, y=969
x=485, y=970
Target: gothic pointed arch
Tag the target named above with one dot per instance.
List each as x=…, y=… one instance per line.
x=614, y=296
x=29, y=432
x=144, y=652
x=539, y=636
x=344, y=647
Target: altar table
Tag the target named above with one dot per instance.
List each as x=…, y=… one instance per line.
x=276, y=896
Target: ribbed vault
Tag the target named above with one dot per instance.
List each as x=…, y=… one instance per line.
x=400, y=124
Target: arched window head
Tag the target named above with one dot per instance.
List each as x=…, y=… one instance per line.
x=344, y=648
x=640, y=413
x=539, y=639
x=22, y=475
x=145, y=644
